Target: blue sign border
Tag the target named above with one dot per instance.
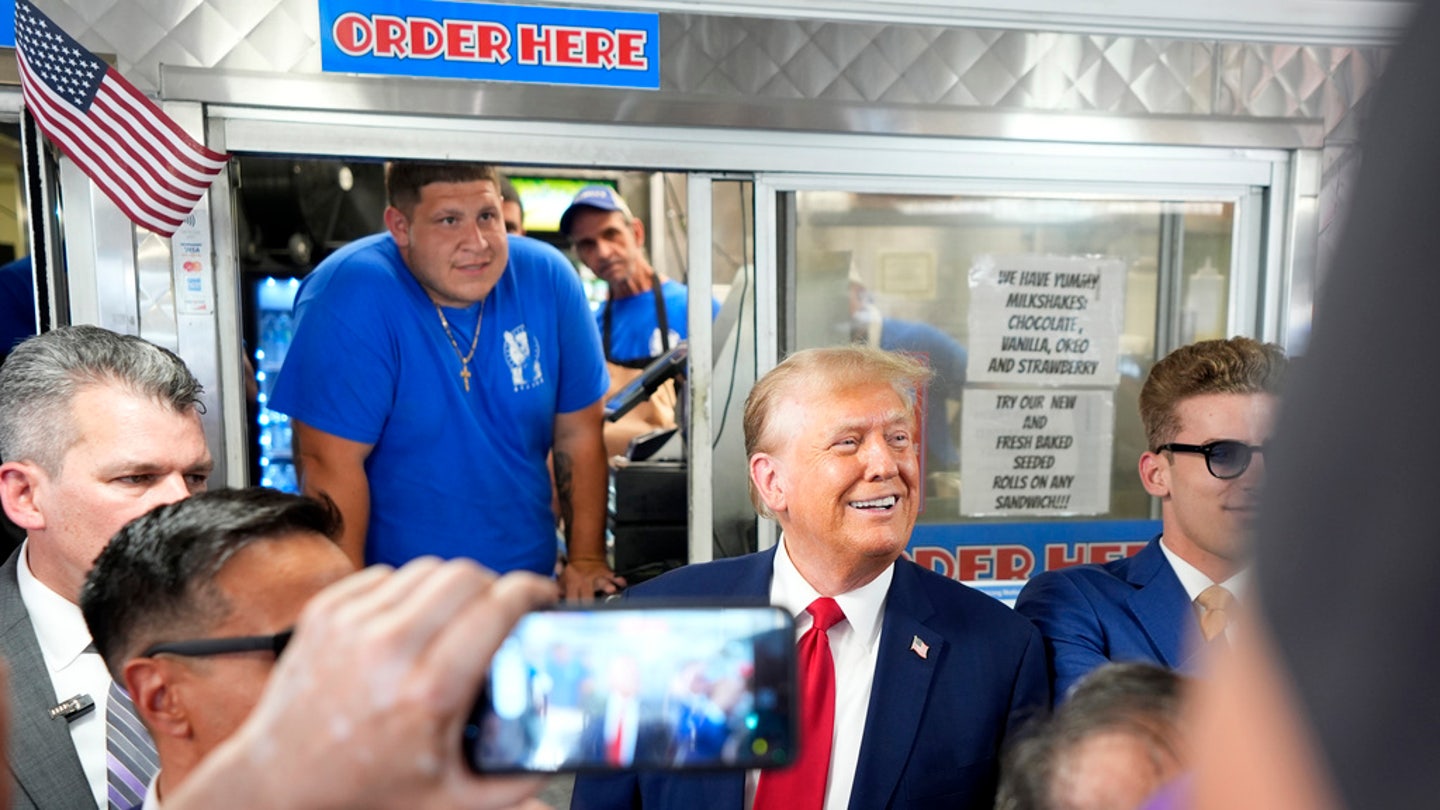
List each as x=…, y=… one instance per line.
x=7, y=23
x=491, y=42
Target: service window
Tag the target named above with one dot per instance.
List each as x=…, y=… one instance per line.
x=1040, y=317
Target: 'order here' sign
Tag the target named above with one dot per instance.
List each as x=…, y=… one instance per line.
x=491, y=42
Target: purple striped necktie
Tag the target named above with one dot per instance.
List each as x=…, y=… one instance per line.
x=130, y=759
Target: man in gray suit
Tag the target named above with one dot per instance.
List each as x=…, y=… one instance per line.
x=96, y=429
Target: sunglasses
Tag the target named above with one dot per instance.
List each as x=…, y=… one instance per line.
x=1224, y=459
x=222, y=646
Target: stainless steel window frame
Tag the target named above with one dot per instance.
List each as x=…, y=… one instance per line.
x=780, y=161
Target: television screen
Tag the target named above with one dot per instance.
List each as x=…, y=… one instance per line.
x=546, y=198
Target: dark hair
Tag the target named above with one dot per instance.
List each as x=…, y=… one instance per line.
x=405, y=178
x=1239, y=365
x=509, y=194
x=1139, y=699
x=157, y=575
x=41, y=377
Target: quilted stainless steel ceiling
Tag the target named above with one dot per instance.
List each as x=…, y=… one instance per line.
x=733, y=58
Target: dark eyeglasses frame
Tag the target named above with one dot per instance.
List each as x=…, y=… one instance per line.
x=221, y=646
x=1208, y=451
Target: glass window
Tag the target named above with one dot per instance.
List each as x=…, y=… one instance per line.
x=1040, y=315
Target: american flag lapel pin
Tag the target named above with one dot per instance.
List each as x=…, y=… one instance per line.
x=919, y=647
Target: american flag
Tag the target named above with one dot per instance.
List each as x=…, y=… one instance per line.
x=141, y=158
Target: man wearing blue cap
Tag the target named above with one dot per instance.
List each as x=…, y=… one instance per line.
x=644, y=315
x=635, y=328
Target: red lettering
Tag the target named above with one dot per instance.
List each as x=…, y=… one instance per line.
x=1105, y=552
x=631, y=50
x=569, y=47
x=975, y=562
x=1057, y=556
x=600, y=45
x=460, y=44
x=1013, y=562
x=352, y=34
x=494, y=43
x=426, y=38
x=390, y=37
x=1131, y=549
x=935, y=559
x=536, y=46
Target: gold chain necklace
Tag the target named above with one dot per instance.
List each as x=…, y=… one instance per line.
x=475, y=341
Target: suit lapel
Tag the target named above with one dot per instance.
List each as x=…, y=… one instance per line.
x=1159, y=603
x=751, y=579
x=42, y=754
x=755, y=575
x=904, y=671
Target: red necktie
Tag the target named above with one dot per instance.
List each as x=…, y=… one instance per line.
x=802, y=785
x=615, y=752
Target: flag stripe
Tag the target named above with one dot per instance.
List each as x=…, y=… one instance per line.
x=100, y=167
x=183, y=145
x=118, y=121
x=138, y=156
x=145, y=162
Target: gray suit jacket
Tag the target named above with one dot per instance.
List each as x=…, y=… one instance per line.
x=43, y=761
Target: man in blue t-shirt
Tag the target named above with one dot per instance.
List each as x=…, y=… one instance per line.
x=645, y=313
x=432, y=373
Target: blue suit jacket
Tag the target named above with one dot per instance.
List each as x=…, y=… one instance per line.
x=1133, y=609
x=935, y=725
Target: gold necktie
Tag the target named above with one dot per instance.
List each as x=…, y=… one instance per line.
x=1215, y=603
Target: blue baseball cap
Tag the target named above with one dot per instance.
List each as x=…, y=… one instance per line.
x=602, y=198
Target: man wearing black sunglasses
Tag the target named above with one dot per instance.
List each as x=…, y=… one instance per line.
x=191, y=604
x=1207, y=410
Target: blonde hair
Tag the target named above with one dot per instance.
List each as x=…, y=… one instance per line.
x=820, y=372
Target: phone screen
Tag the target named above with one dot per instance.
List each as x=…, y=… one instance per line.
x=639, y=687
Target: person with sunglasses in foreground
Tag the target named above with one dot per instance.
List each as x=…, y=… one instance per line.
x=1207, y=410
x=190, y=606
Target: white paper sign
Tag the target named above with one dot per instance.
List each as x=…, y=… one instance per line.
x=1036, y=451
x=1046, y=320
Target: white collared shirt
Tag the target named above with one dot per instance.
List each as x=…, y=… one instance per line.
x=1194, y=582
x=152, y=794
x=854, y=644
x=60, y=629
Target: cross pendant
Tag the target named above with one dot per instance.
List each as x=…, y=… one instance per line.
x=465, y=376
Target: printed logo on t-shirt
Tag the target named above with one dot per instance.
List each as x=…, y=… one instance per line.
x=656, y=347
x=522, y=354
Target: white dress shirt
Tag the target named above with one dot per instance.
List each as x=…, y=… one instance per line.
x=60, y=629
x=152, y=794
x=1194, y=582
x=854, y=644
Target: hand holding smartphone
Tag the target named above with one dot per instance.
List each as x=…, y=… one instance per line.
x=635, y=686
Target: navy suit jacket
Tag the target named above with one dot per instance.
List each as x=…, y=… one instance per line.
x=1133, y=609
x=935, y=725
x=43, y=761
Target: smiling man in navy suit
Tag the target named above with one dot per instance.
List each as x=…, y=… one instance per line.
x=1207, y=409
x=930, y=677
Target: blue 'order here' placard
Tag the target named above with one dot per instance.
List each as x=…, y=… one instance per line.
x=492, y=42
x=7, y=23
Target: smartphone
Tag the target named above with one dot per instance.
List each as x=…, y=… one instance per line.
x=625, y=686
